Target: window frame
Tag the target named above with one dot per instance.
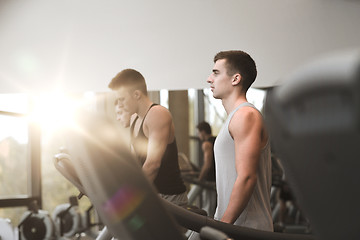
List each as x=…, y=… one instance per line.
x=33, y=162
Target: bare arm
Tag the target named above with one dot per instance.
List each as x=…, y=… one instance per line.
x=159, y=127
x=207, y=148
x=245, y=128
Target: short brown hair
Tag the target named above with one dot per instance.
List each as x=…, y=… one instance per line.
x=129, y=78
x=239, y=62
x=204, y=126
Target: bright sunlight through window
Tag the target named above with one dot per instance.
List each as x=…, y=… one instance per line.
x=54, y=111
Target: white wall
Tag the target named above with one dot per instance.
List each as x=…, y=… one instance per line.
x=80, y=45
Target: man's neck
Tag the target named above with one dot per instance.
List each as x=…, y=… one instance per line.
x=207, y=137
x=231, y=103
x=144, y=106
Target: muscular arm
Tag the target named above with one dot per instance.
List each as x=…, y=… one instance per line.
x=158, y=125
x=207, y=148
x=245, y=128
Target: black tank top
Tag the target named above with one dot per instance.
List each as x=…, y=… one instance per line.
x=168, y=180
x=211, y=174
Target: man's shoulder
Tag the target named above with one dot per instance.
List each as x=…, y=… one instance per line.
x=158, y=114
x=247, y=113
x=158, y=109
x=245, y=118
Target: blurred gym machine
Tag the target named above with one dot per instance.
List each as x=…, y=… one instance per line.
x=314, y=123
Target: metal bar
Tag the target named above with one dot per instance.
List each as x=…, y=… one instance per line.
x=17, y=201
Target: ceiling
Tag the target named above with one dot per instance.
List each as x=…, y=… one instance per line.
x=80, y=45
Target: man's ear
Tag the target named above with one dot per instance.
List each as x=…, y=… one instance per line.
x=236, y=79
x=137, y=94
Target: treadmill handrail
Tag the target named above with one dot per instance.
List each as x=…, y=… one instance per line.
x=62, y=162
x=195, y=222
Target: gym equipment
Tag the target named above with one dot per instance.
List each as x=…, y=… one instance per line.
x=6, y=230
x=202, y=193
x=88, y=224
x=193, y=179
x=62, y=162
x=314, y=122
x=36, y=224
x=190, y=173
x=186, y=166
x=125, y=200
x=196, y=222
x=289, y=219
x=67, y=218
x=212, y=234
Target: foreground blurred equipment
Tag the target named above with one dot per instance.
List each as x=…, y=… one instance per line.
x=314, y=120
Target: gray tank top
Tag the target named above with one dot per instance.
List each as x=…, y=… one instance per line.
x=257, y=213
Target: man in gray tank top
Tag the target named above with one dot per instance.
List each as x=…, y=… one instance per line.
x=242, y=148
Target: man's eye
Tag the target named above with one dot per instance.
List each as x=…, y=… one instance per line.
x=118, y=101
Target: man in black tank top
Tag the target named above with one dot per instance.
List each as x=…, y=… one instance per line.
x=207, y=171
x=152, y=135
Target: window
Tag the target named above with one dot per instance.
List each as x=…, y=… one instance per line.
x=13, y=156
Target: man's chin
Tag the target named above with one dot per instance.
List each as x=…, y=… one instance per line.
x=215, y=96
